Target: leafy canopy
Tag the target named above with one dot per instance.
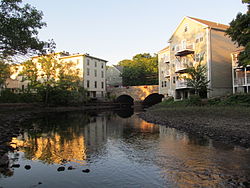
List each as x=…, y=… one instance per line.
x=141, y=70
x=239, y=31
x=19, y=24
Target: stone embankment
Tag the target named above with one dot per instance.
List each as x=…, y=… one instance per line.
x=230, y=125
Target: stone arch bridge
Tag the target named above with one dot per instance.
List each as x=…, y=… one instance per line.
x=136, y=94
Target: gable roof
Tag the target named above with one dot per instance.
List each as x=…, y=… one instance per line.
x=164, y=49
x=205, y=23
x=118, y=67
x=213, y=25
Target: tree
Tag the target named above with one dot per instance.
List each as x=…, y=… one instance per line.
x=4, y=73
x=19, y=28
x=239, y=31
x=141, y=70
x=197, y=79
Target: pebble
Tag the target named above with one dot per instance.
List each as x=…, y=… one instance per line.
x=86, y=170
x=27, y=167
x=61, y=168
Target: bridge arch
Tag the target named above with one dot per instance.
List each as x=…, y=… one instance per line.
x=126, y=99
x=152, y=99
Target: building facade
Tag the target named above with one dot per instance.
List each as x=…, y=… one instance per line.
x=91, y=71
x=196, y=41
x=240, y=75
x=114, y=78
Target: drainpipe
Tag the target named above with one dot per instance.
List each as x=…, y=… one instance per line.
x=209, y=58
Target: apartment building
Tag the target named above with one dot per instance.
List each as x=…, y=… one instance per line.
x=196, y=41
x=241, y=75
x=92, y=72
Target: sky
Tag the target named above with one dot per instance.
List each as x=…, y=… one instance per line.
x=119, y=29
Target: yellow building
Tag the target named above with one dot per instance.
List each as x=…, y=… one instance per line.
x=196, y=40
x=241, y=75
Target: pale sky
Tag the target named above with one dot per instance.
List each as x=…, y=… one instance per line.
x=118, y=29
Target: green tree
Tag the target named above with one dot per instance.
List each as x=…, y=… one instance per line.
x=4, y=72
x=19, y=26
x=141, y=70
x=197, y=79
x=239, y=31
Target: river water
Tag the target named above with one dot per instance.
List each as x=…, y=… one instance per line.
x=118, y=149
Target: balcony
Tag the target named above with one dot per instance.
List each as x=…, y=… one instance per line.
x=181, y=84
x=165, y=59
x=181, y=67
x=185, y=50
x=242, y=81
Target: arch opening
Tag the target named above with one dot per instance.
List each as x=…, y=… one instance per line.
x=152, y=99
x=125, y=99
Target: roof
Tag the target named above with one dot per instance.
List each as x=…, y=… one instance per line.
x=205, y=23
x=211, y=24
x=164, y=49
x=120, y=68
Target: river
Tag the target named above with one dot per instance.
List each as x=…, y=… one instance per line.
x=118, y=149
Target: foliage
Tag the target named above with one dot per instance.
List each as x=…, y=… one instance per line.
x=4, y=72
x=55, y=82
x=19, y=28
x=198, y=79
x=141, y=70
x=239, y=31
x=236, y=99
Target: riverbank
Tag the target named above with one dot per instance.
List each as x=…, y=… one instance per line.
x=227, y=124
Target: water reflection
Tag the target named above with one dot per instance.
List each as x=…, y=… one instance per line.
x=124, y=151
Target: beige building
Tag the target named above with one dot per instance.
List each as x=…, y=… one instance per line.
x=196, y=40
x=92, y=72
x=241, y=75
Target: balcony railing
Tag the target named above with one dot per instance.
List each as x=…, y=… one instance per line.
x=180, y=66
x=241, y=81
x=181, y=84
x=185, y=50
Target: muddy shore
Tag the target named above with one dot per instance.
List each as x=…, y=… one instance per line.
x=229, y=125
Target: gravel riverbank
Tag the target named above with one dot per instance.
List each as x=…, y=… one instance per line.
x=225, y=124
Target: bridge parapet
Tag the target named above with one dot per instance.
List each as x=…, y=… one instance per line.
x=138, y=93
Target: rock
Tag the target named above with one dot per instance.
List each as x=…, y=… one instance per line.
x=39, y=183
x=27, y=167
x=71, y=168
x=4, y=160
x=86, y=170
x=15, y=166
x=61, y=168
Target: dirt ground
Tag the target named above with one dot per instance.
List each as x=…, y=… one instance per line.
x=226, y=124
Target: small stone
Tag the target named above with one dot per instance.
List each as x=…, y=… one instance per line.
x=86, y=170
x=27, y=167
x=71, y=168
x=61, y=168
x=39, y=183
x=15, y=166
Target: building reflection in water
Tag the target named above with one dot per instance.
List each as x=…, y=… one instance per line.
x=182, y=159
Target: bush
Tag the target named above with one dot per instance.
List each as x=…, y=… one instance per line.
x=194, y=100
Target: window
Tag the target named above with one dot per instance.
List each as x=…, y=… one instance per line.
x=162, y=84
x=173, y=80
x=77, y=61
x=87, y=61
x=95, y=64
x=165, y=83
x=87, y=83
x=201, y=39
x=95, y=84
x=102, y=94
x=87, y=71
x=102, y=85
x=95, y=73
x=102, y=74
x=102, y=65
x=94, y=93
x=186, y=28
